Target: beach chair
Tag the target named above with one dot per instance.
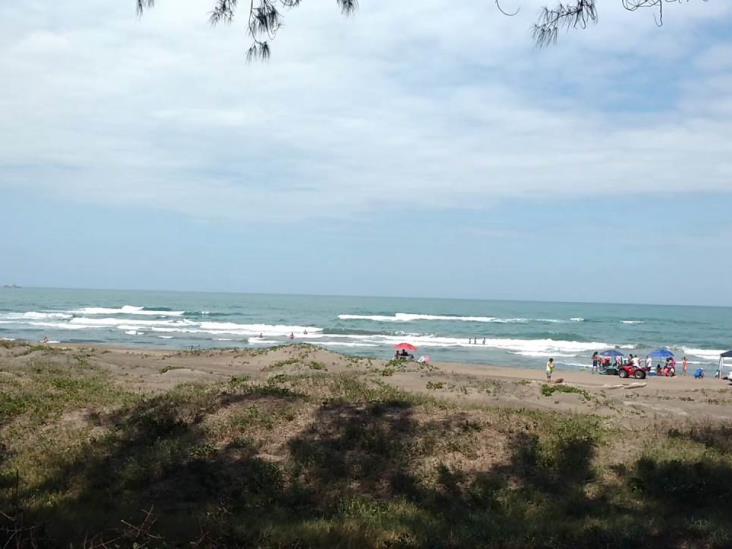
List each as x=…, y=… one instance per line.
x=699, y=374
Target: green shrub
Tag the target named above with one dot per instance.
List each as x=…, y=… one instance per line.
x=549, y=390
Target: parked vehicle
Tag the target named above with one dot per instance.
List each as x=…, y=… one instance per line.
x=629, y=370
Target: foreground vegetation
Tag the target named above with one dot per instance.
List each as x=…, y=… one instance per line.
x=338, y=460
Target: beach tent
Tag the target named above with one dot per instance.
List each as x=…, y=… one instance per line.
x=661, y=354
x=722, y=357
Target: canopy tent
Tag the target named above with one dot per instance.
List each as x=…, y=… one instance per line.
x=661, y=354
x=722, y=357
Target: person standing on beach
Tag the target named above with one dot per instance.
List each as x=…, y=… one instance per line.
x=686, y=366
x=595, y=363
x=550, y=369
x=649, y=363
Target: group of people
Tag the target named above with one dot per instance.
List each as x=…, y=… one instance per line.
x=600, y=362
x=474, y=341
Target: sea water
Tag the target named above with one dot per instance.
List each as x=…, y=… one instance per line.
x=511, y=333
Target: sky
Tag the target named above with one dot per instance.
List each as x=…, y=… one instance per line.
x=401, y=151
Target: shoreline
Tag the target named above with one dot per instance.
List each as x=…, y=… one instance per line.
x=579, y=375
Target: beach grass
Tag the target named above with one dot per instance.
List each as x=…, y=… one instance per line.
x=319, y=459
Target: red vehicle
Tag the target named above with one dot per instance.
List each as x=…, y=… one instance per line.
x=628, y=370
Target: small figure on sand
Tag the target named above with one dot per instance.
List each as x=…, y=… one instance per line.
x=550, y=369
x=686, y=367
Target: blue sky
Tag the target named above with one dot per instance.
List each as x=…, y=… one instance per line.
x=431, y=153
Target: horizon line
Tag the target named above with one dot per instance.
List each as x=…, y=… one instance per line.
x=372, y=296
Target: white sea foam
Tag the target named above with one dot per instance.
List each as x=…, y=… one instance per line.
x=345, y=344
x=165, y=337
x=632, y=321
x=577, y=319
x=7, y=339
x=125, y=310
x=543, y=354
x=134, y=333
x=506, y=344
x=111, y=322
x=412, y=317
x=578, y=364
x=257, y=341
x=707, y=354
x=57, y=325
x=34, y=315
x=268, y=330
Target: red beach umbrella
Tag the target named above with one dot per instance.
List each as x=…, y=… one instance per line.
x=405, y=347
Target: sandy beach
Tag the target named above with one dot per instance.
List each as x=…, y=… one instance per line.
x=297, y=446
x=655, y=398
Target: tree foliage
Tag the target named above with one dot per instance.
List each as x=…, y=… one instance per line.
x=265, y=17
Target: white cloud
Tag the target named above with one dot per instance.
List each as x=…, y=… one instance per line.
x=430, y=108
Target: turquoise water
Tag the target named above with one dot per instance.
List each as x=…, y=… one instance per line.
x=516, y=333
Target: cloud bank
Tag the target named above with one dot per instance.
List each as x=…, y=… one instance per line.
x=427, y=108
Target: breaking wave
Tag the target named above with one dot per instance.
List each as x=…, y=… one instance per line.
x=707, y=354
x=127, y=310
x=34, y=315
x=414, y=317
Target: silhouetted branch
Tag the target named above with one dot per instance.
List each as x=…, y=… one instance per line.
x=564, y=16
x=142, y=4
x=580, y=13
x=265, y=17
x=504, y=12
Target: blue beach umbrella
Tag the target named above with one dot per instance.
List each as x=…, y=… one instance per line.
x=661, y=354
x=612, y=353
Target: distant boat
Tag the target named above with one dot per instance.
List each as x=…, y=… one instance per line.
x=12, y=286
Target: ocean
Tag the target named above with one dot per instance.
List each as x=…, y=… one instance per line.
x=510, y=333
